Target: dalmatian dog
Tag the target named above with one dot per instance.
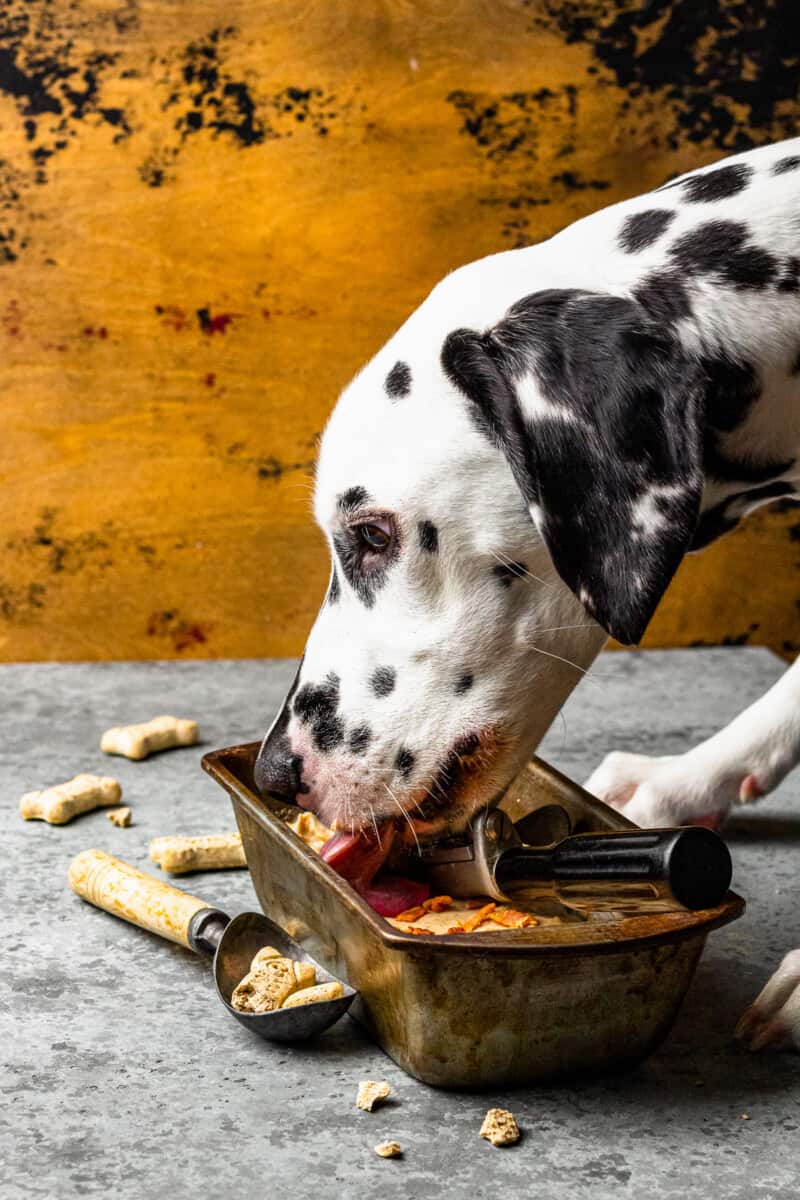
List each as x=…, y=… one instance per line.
x=516, y=475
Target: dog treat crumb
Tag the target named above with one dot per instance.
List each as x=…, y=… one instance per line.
x=264, y=955
x=266, y=988
x=120, y=816
x=499, y=1127
x=437, y=903
x=418, y=931
x=512, y=918
x=370, y=1093
x=315, y=995
x=478, y=902
x=456, y=929
x=310, y=830
x=472, y=923
x=216, y=851
x=138, y=741
x=61, y=803
x=412, y=914
x=388, y=1150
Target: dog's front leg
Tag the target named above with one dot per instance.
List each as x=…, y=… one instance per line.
x=773, y=1019
x=744, y=761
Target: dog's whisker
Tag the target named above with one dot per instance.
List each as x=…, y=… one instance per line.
x=517, y=568
x=375, y=827
x=558, y=628
x=569, y=663
x=406, y=816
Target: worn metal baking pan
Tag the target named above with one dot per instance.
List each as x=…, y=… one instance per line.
x=473, y=1010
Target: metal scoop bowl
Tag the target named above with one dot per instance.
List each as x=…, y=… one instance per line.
x=126, y=892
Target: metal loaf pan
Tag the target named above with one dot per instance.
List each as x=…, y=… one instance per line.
x=475, y=1010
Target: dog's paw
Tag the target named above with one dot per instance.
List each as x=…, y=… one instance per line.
x=684, y=789
x=773, y=1019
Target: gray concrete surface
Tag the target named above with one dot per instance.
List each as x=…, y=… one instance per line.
x=123, y=1077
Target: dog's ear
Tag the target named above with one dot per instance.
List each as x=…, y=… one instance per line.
x=599, y=413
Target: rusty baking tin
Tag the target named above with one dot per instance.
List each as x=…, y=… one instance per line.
x=473, y=1010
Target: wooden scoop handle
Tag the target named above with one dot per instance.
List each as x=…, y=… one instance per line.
x=127, y=892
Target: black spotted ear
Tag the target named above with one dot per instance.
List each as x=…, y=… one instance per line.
x=599, y=413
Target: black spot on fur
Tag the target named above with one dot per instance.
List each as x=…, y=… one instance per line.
x=717, y=185
x=506, y=573
x=641, y=230
x=334, y=591
x=725, y=516
x=784, y=165
x=353, y=498
x=790, y=279
x=464, y=683
x=732, y=387
x=664, y=297
x=720, y=249
x=382, y=680
x=359, y=739
x=398, y=381
x=405, y=762
x=428, y=536
x=317, y=705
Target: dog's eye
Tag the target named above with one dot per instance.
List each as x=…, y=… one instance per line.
x=375, y=537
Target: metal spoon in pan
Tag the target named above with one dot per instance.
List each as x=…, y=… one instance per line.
x=126, y=892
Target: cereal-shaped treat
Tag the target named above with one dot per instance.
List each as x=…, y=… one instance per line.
x=265, y=989
x=499, y=1127
x=120, y=816
x=315, y=995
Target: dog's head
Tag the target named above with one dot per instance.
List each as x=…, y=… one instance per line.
x=495, y=502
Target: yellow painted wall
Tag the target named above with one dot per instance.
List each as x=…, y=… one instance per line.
x=211, y=214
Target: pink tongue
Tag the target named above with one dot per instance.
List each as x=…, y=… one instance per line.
x=358, y=858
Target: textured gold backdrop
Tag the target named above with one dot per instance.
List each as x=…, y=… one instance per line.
x=211, y=214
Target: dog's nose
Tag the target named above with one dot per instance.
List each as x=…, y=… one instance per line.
x=277, y=769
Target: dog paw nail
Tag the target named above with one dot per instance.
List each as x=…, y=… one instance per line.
x=749, y=790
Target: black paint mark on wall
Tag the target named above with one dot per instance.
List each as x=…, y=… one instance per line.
x=707, y=64
x=207, y=95
x=266, y=466
x=54, y=553
x=55, y=83
x=515, y=213
x=508, y=125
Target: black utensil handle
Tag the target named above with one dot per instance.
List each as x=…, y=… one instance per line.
x=693, y=861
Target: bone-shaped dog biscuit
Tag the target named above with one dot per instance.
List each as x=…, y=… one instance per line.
x=138, y=741
x=217, y=851
x=60, y=804
x=266, y=988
